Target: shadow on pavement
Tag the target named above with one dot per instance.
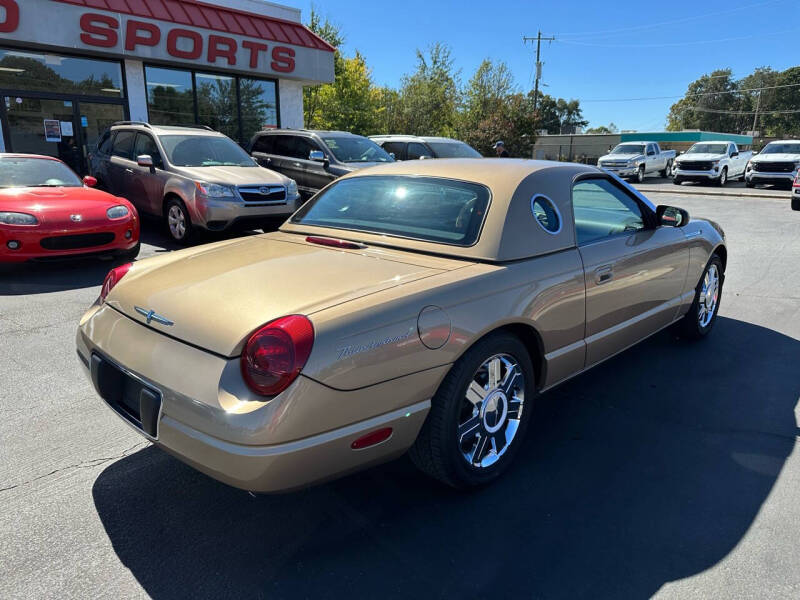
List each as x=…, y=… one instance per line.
x=648, y=469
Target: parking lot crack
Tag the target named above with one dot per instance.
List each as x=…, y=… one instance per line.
x=87, y=464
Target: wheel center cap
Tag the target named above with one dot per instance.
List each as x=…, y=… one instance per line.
x=494, y=411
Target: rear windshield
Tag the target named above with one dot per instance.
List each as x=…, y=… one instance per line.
x=419, y=208
x=453, y=150
x=36, y=172
x=354, y=149
x=204, y=151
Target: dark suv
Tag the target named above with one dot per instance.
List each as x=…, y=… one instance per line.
x=314, y=158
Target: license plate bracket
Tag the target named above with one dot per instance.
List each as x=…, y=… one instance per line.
x=130, y=397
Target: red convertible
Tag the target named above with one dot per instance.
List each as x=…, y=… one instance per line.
x=46, y=211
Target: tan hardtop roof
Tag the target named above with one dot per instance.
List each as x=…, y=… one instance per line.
x=510, y=232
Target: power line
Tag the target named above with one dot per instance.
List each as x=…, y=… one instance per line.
x=758, y=89
x=674, y=44
x=663, y=23
x=740, y=112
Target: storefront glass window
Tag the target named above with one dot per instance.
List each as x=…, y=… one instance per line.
x=216, y=103
x=220, y=101
x=259, y=106
x=170, y=97
x=26, y=70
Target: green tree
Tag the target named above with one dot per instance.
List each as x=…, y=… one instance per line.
x=486, y=92
x=430, y=96
x=352, y=102
x=331, y=33
x=710, y=104
x=610, y=128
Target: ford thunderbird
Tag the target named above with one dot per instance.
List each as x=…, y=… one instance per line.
x=412, y=307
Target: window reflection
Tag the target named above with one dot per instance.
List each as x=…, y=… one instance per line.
x=170, y=97
x=216, y=103
x=25, y=70
x=259, y=106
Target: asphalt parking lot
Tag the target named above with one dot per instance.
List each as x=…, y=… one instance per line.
x=672, y=470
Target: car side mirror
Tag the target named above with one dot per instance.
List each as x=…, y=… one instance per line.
x=734, y=154
x=89, y=181
x=317, y=156
x=392, y=155
x=671, y=216
x=144, y=160
x=651, y=153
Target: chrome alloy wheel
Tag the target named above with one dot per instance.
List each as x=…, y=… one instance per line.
x=177, y=222
x=709, y=296
x=491, y=410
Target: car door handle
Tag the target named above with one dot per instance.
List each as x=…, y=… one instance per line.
x=297, y=164
x=603, y=274
x=129, y=171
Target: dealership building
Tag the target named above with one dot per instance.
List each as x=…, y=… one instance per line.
x=70, y=68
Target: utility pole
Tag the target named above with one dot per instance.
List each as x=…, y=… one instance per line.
x=538, y=39
x=755, y=116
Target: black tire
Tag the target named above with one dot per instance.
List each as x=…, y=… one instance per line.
x=130, y=255
x=639, y=175
x=436, y=450
x=795, y=203
x=677, y=180
x=749, y=184
x=741, y=177
x=175, y=204
x=689, y=326
x=667, y=170
x=723, y=177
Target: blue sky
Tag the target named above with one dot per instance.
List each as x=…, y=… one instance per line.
x=629, y=50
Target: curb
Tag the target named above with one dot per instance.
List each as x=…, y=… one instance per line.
x=695, y=192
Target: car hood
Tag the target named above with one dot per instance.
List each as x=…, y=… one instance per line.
x=620, y=157
x=53, y=206
x=233, y=175
x=218, y=294
x=776, y=158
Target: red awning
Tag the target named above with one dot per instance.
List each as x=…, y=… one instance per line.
x=207, y=16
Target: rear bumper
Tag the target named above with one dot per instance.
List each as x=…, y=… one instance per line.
x=207, y=419
x=29, y=238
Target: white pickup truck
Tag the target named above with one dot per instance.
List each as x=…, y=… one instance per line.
x=715, y=162
x=634, y=160
x=778, y=163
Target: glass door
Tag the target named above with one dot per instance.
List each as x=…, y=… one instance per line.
x=40, y=126
x=94, y=119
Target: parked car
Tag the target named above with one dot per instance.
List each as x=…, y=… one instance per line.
x=418, y=306
x=411, y=147
x=315, y=158
x=715, y=162
x=634, y=160
x=47, y=212
x=796, y=193
x=191, y=177
x=776, y=164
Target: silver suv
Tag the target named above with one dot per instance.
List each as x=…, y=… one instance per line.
x=191, y=177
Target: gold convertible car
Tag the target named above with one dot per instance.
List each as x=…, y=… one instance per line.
x=413, y=307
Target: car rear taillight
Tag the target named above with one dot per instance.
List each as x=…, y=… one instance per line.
x=112, y=279
x=796, y=182
x=276, y=353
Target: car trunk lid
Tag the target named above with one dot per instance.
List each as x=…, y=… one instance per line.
x=216, y=295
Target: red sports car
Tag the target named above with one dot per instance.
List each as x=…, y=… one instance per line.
x=47, y=211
